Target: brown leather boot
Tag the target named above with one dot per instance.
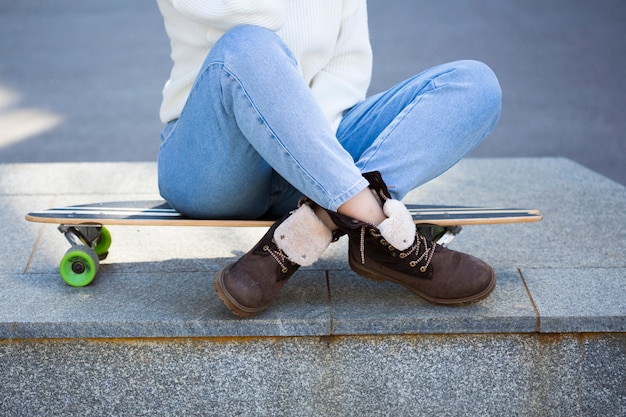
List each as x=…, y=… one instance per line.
x=249, y=285
x=386, y=253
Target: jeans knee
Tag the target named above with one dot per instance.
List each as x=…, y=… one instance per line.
x=483, y=85
x=247, y=34
x=247, y=43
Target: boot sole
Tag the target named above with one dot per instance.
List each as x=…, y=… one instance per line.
x=376, y=276
x=230, y=302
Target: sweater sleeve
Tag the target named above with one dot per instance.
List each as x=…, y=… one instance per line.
x=226, y=14
x=343, y=82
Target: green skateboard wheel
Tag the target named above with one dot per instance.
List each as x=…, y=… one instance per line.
x=104, y=243
x=79, y=266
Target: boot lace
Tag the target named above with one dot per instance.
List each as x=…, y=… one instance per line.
x=420, y=253
x=280, y=258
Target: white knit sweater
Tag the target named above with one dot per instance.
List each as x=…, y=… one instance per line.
x=329, y=38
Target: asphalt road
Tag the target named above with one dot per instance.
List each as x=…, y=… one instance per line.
x=81, y=80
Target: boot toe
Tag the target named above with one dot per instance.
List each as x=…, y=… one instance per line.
x=244, y=297
x=464, y=278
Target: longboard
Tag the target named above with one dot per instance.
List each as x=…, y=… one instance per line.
x=84, y=226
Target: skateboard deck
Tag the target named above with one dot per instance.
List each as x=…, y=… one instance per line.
x=84, y=226
x=160, y=213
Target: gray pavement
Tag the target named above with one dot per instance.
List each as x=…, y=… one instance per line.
x=81, y=81
x=563, y=274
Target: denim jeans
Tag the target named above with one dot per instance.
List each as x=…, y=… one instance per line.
x=251, y=139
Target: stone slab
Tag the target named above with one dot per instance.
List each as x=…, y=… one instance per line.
x=603, y=382
x=122, y=305
x=156, y=280
x=579, y=300
x=360, y=306
x=512, y=375
x=477, y=375
x=18, y=238
x=135, y=378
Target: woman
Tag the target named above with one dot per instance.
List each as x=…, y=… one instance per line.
x=266, y=105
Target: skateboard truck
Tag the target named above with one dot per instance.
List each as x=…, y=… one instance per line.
x=442, y=235
x=87, y=235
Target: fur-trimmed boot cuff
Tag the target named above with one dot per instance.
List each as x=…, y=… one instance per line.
x=302, y=236
x=398, y=229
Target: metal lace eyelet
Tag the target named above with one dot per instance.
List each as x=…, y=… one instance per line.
x=391, y=248
x=402, y=255
x=284, y=270
x=266, y=248
x=383, y=242
x=413, y=264
x=422, y=269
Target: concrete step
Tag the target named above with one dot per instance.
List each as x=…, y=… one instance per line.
x=149, y=336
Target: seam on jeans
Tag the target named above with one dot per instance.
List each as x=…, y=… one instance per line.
x=202, y=74
x=429, y=87
x=170, y=129
x=381, y=140
x=192, y=92
x=274, y=136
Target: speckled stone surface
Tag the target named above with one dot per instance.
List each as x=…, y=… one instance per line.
x=361, y=306
x=157, y=280
x=487, y=375
x=579, y=300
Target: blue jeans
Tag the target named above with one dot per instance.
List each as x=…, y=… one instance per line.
x=251, y=139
